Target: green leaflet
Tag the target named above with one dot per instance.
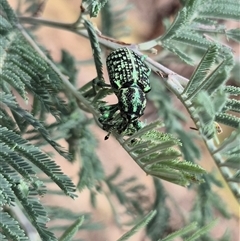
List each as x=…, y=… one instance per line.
x=202, y=71
x=209, y=98
x=193, y=21
x=154, y=152
x=202, y=231
x=72, y=230
x=172, y=118
x=96, y=49
x=112, y=18
x=6, y=194
x=232, y=90
x=234, y=34
x=36, y=212
x=24, y=70
x=127, y=192
x=228, y=119
x=172, y=46
x=221, y=9
x=191, y=38
x=20, y=182
x=11, y=228
x=9, y=101
x=161, y=219
x=233, y=105
x=139, y=225
x=36, y=157
x=93, y=7
x=181, y=232
x=92, y=170
x=7, y=13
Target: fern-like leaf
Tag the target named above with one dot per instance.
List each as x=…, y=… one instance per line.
x=221, y=74
x=93, y=7
x=24, y=70
x=95, y=48
x=193, y=21
x=191, y=38
x=232, y=105
x=113, y=16
x=228, y=119
x=163, y=214
x=178, y=51
x=6, y=194
x=92, y=170
x=171, y=118
x=38, y=158
x=232, y=90
x=71, y=231
x=209, y=98
x=10, y=228
x=176, y=25
x=128, y=193
x=205, y=113
x=202, y=71
x=221, y=9
x=145, y=220
x=234, y=34
x=35, y=211
x=154, y=152
x=9, y=101
x=7, y=13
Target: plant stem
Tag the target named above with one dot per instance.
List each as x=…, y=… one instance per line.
x=174, y=82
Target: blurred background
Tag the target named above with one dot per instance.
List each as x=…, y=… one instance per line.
x=145, y=21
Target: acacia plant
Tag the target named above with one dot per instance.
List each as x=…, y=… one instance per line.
x=163, y=149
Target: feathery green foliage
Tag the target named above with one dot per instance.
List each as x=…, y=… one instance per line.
x=93, y=7
x=92, y=171
x=139, y=225
x=11, y=228
x=24, y=71
x=161, y=219
x=154, y=152
x=172, y=119
x=205, y=90
x=72, y=222
x=112, y=20
x=195, y=18
x=71, y=231
x=234, y=34
x=95, y=48
x=128, y=193
x=163, y=149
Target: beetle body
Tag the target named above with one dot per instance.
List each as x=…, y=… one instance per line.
x=126, y=68
x=132, y=102
x=129, y=78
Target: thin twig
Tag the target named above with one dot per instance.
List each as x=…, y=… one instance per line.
x=175, y=81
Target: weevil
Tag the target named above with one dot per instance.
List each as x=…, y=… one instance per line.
x=129, y=78
x=126, y=68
